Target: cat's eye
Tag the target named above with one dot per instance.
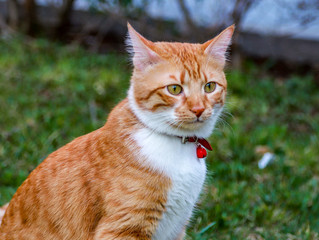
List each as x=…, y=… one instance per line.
x=210, y=87
x=174, y=89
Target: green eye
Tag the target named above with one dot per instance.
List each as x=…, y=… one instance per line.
x=174, y=89
x=210, y=87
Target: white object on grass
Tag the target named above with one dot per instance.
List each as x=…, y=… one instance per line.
x=266, y=159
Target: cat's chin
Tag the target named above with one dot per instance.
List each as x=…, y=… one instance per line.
x=190, y=126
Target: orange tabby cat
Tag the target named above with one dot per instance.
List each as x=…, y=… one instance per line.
x=140, y=175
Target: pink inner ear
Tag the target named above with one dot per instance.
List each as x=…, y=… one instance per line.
x=217, y=47
x=142, y=54
x=144, y=57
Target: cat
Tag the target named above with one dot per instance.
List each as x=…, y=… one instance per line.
x=141, y=174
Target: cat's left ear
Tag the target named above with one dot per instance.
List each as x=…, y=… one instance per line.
x=141, y=49
x=216, y=48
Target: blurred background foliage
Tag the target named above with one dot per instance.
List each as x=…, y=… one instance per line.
x=63, y=68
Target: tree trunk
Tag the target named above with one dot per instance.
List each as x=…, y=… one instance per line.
x=191, y=25
x=30, y=17
x=13, y=14
x=64, y=18
x=240, y=10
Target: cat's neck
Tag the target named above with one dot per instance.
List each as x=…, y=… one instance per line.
x=123, y=122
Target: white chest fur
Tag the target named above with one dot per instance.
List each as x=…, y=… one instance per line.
x=179, y=162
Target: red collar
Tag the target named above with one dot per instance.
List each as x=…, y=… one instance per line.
x=201, y=141
x=200, y=151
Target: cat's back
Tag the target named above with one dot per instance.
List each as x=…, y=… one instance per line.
x=64, y=196
x=95, y=178
x=57, y=193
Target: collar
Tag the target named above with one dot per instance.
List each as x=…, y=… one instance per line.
x=201, y=141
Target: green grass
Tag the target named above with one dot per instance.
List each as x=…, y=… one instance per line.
x=50, y=94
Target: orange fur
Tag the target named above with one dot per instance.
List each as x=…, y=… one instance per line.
x=91, y=187
x=97, y=187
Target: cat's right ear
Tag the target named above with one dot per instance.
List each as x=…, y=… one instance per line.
x=217, y=47
x=141, y=49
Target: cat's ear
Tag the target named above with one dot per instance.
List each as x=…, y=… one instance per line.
x=141, y=49
x=216, y=48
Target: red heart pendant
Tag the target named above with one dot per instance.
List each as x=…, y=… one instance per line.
x=201, y=152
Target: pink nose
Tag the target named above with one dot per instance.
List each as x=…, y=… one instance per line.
x=197, y=110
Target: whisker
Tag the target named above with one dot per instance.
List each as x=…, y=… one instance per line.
x=225, y=123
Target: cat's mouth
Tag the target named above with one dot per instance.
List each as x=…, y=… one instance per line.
x=195, y=122
x=190, y=124
x=199, y=120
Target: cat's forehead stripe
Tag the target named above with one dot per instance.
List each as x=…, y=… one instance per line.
x=182, y=78
x=198, y=70
x=205, y=76
x=173, y=77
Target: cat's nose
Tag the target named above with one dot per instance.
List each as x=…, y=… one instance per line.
x=198, y=110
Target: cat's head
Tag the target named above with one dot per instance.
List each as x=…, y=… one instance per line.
x=178, y=88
